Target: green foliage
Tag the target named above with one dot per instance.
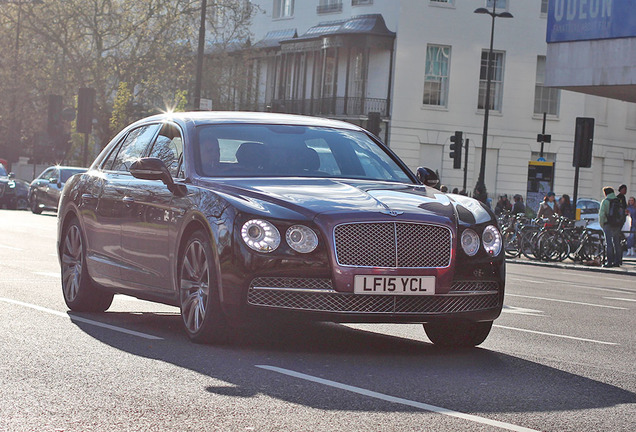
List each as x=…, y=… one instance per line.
x=180, y=100
x=122, y=108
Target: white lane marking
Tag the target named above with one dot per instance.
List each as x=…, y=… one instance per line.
x=521, y=311
x=397, y=400
x=566, y=301
x=619, y=290
x=10, y=247
x=555, y=335
x=49, y=274
x=621, y=299
x=80, y=319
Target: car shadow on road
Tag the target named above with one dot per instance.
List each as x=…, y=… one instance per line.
x=466, y=380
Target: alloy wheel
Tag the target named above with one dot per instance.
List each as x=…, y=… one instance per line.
x=194, y=285
x=72, y=261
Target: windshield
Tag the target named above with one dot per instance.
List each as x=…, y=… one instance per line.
x=67, y=173
x=3, y=172
x=257, y=150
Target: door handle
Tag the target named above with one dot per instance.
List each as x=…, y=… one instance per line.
x=128, y=200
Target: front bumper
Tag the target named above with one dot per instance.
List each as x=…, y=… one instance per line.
x=316, y=299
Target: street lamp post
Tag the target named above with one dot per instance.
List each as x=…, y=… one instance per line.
x=480, y=188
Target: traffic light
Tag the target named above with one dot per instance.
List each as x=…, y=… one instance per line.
x=85, y=103
x=54, y=115
x=456, y=149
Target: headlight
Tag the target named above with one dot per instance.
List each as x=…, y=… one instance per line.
x=260, y=235
x=301, y=239
x=491, y=238
x=470, y=242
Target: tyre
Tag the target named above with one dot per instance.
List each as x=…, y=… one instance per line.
x=511, y=244
x=80, y=293
x=202, y=316
x=35, y=205
x=458, y=333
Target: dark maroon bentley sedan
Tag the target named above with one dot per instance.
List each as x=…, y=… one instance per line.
x=227, y=215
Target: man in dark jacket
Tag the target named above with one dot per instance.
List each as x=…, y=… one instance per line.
x=611, y=228
x=518, y=206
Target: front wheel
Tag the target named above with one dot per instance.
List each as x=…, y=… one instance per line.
x=203, y=319
x=80, y=294
x=35, y=205
x=458, y=333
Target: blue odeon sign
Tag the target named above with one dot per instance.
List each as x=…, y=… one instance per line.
x=575, y=20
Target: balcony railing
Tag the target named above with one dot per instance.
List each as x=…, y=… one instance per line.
x=329, y=8
x=338, y=106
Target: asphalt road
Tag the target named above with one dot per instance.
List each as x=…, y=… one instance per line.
x=561, y=358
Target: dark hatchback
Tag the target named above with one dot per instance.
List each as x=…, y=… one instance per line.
x=45, y=190
x=229, y=215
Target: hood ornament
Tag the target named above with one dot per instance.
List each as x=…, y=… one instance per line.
x=390, y=212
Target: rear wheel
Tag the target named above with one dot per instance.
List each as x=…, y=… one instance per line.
x=458, y=333
x=80, y=294
x=203, y=319
x=35, y=205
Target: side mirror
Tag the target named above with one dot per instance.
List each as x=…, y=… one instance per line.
x=155, y=169
x=53, y=180
x=11, y=176
x=427, y=176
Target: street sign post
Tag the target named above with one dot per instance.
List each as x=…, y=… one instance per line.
x=540, y=182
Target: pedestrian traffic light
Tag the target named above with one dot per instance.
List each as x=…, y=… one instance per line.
x=456, y=149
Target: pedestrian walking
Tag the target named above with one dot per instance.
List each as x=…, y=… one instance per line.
x=549, y=209
x=611, y=217
x=631, y=209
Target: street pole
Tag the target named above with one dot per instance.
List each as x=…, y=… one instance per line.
x=480, y=191
x=543, y=134
x=200, y=53
x=465, y=165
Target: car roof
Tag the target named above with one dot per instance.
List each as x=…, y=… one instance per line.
x=228, y=117
x=67, y=167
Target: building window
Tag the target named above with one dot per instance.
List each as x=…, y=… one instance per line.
x=329, y=6
x=283, y=8
x=546, y=99
x=496, y=83
x=361, y=2
x=502, y=5
x=544, y=7
x=436, y=79
x=450, y=2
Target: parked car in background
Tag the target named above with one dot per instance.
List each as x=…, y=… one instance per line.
x=21, y=194
x=589, y=208
x=45, y=190
x=7, y=189
x=229, y=216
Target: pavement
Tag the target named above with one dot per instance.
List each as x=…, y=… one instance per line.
x=628, y=267
x=562, y=357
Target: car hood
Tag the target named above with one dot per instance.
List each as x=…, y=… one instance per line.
x=328, y=196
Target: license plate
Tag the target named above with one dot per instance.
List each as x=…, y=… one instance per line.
x=394, y=285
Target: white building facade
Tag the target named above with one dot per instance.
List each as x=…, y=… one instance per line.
x=421, y=65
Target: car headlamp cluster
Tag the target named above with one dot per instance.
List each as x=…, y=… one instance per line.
x=490, y=239
x=301, y=239
x=263, y=236
x=260, y=235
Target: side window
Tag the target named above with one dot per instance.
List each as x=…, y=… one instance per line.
x=46, y=175
x=132, y=148
x=168, y=147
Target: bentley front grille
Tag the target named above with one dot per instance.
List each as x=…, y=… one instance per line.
x=377, y=304
x=393, y=244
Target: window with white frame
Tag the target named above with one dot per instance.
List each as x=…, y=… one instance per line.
x=544, y=7
x=450, y=2
x=546, y=99
x=361, y=2
x=436, y=75
x=502, y=5
x=328, y=6
x=496, y=82
x=283, y=8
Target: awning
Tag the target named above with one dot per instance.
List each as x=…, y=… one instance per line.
x=272, y=39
